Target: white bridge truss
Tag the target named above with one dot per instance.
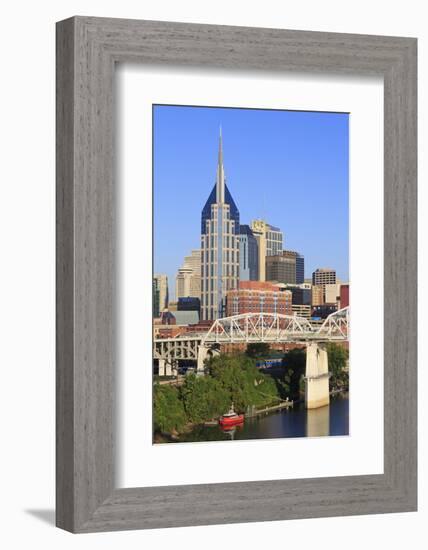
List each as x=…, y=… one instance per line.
x=175, y=349
x=336, y=325
x=251, y=328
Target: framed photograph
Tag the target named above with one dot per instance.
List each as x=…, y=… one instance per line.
x=236, y=274
x=246, y=347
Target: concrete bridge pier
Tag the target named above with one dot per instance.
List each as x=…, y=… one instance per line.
x=317, y=387
x=165, y=368
x=202, y=355
x=161, y=363
x=174, y=368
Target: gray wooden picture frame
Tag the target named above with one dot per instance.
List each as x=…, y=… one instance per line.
x=87, y=50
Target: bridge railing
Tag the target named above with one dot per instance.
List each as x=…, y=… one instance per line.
x=336, y=324
x=259, y=326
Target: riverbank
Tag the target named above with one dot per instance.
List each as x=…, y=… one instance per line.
x=174, y=436
x=294, y=422
x=230, y=379
x=197, y=399
x=331, y=420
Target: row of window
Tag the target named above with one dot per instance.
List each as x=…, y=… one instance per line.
x=281, y=310
x=264, y=296
x=210, y=270
x=210, y=241
x=211, y=256
x=228, y=226
x=208, y=285
x=208, y=313
x=214, y=210
x=207, y=299
x=260, y=299
x=274, y=249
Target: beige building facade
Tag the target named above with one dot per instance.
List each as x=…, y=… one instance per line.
x=317, y=293
x=324, y=276
x=188, y=279
x=332, y=293
x=162, y=286
x=270, y=242
x=302, y=310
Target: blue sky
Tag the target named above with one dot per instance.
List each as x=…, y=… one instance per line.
x=287, y=167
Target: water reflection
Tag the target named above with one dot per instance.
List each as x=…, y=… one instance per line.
x=296, y=422
x=318, y=422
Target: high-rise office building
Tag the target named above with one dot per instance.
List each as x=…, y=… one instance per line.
x=219, y=246
x=248, y=255
x=160, y=285
x=270, y=242
x=282, y=268
x=155, y=300
x=324, y=276
x=183, y=282
x=274, y=240
x=188, y=279
x=289, y=266
x=300, y=269
x=194, y=262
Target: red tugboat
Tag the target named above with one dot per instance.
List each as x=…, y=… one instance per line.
x=231, y=418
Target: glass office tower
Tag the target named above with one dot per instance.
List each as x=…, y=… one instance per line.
x=219, y=246
x=248, y=255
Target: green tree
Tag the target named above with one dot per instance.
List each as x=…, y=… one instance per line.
x=258, y=349
x=294, y=362
x=203, y=398
x=168, y=409
x=243, y=382
x=337, y=362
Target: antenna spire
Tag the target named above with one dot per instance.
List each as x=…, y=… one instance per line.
x=220, y=172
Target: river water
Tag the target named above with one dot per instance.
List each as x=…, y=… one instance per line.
x=293, y=422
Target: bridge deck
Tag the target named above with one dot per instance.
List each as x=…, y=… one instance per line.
x=312, y=337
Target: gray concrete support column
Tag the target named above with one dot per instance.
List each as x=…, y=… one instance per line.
x=202, y=355
x=317, y=387
x=174, y=368
x=161, y=367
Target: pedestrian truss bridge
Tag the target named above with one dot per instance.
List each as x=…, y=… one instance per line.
x=250, y=328
x=269, y=327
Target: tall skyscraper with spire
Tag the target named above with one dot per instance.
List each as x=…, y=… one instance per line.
x=219, y=245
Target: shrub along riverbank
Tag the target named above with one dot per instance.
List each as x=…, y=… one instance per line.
x=236, y=379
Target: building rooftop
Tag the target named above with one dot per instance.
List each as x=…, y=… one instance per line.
x=245, y=230
x=257, y=285
x=186, y=317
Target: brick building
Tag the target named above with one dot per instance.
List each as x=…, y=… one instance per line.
x=258, y=297
x=344, y=295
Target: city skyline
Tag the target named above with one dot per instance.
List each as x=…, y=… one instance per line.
x=291, y=170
